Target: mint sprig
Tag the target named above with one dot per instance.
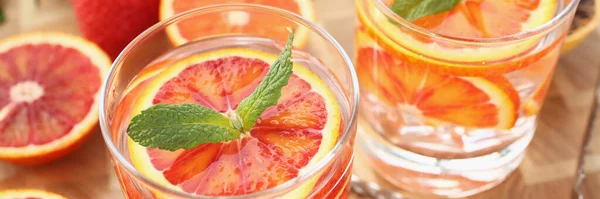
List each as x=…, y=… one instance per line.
x=268, y=91
x=185, y=126
x=415, y=9
x=2, y=19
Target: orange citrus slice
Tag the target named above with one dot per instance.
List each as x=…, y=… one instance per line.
x=534, y=104
x=540, y=72
x=470, y=18
x=49, y=93
x=28, y=194
x=246, y=22
x=288, y=140
x=489, y=102
x=489, y=18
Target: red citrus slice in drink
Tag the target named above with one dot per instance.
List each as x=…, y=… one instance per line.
x=534, y=104
x=489, y=102
x=489, y=18
x=247, y=22
x=288, y=140
x=49, y=92
x=469, y=19
x=28, y=194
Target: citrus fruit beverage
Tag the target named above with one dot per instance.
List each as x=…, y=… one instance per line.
x=300, y=147
x=450, y=97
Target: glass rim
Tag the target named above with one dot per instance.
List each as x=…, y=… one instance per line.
x=329, y=157
x=548, y=26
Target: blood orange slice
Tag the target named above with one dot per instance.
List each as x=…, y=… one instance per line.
x=435, y=98
x=489, y=18
x=246, y=22
x=469, y=19
x=288, y=140
x=534, y=104
x=28, y=194
x=49, y=90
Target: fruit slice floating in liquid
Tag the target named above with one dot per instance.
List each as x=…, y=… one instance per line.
x=470, y=18
x=288, y=140
x=28, y=194
x=478, y=102
x=534, y=104
x=248, y=22
x=489, y=18
x=49, y=92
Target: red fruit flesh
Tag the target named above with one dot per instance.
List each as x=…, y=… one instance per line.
x=46, y=73
x=481, y=18
x=398, y=84
x=112, y=24
x=217, y=84
x=283, y=141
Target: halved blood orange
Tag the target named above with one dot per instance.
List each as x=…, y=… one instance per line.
x=432, y=97
x=246, y=22
x=28, y=194
x=469, y=19
x=49, y=90
x=288, y=139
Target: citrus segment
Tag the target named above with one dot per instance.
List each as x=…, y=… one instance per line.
x=534, y=104
x=247, y=22
x=163, y=159
x=305, y=111
x=540, y=73
x=288, y=138
x=28, y=194
x=215, y=84
x=469, y=19
x=466, y=101
x=335, y=185
x=50, y=89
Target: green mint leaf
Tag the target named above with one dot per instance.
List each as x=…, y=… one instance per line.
x=184, y=126
x=268, y=91
x=415, y=9
x=2, y=19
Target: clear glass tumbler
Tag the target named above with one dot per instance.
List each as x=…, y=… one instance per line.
x=158, y=48
x=447, y=115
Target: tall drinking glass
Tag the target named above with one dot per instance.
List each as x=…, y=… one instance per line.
x=301, y=148
x=451, y=115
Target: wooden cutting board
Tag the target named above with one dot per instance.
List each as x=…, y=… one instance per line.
x=548, y=170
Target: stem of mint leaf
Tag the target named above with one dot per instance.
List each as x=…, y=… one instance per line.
x=268, y=91
x=415, y=9
x=185, y=126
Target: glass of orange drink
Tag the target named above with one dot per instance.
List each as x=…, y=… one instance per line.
x=221, y=60
x=449, y=100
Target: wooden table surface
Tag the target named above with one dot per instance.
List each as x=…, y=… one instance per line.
x=548, y=170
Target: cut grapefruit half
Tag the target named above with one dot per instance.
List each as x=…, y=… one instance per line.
x=49, y=92
x=288, y=140
x=432, y=97
x=472, y=19
x=244, y=22
x=28, y=194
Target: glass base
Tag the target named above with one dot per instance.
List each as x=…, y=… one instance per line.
x=450, y=178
